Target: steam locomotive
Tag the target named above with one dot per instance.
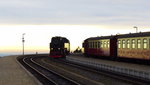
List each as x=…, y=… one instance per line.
x=59, y=47
x=133, y=46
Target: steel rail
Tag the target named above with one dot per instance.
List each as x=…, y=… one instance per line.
x=49, y=74
x=73, y=82
x=110, y=74
x=47, y=79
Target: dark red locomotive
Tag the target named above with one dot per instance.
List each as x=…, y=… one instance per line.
x=127, y=46
x=59, y=47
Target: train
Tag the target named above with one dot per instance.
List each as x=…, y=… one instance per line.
x=129, y=47
x=59, y=47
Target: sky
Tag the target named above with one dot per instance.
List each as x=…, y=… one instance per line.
x=76, y=20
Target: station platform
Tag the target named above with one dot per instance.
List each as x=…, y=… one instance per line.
x=136, y=70
x=12, y=73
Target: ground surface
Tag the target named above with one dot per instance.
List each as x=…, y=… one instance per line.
x=11, y=73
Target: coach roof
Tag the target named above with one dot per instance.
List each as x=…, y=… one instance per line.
x=140, y=34
x=102, y=37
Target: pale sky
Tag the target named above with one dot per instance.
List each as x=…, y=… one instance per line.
x=73, y=19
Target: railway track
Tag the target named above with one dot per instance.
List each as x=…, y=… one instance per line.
x=45, y=76
x=118, y=76
x=79, y=74
x=127, y=80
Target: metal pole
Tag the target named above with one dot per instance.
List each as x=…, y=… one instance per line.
x=23, y=43
x=136, y=29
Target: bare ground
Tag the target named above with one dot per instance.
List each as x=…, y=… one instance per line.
x=11, y=73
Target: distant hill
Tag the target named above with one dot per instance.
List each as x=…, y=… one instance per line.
x=1, y=55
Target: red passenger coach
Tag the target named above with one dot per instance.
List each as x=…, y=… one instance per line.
x=133, y=47
x=101, y=46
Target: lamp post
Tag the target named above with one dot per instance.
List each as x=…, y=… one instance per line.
x=136, y=28
x=23, y=43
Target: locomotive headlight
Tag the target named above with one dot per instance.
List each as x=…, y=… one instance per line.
x=51, y=48
x=58, y=48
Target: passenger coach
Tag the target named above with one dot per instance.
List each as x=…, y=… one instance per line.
x=101, y=46
x=134, y=46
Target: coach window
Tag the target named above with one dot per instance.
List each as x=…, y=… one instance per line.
x=128, y=43
x=104, y=44
x=95, y=44
x=133, y=43
x=92, y=44
x=119, y=44
x=101, y=44
x=149, y=43
x=123, y=43
x=98, y=44
x=144, y=43
x=108, y=44
x=138, y=43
